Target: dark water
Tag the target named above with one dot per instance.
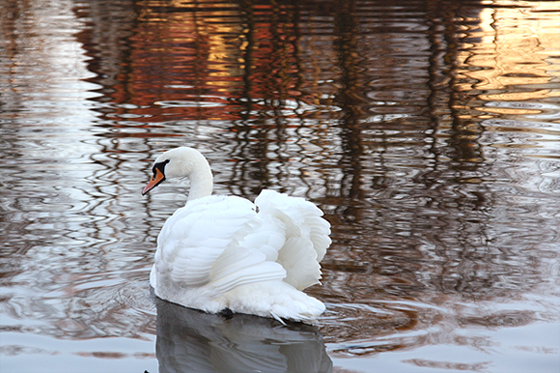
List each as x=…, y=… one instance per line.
x=428, y=132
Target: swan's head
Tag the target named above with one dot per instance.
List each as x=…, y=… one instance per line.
x=182, y=162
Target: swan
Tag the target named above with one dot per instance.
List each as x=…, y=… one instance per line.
x=226, y=254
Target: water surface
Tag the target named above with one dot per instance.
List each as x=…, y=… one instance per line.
x=428, y=132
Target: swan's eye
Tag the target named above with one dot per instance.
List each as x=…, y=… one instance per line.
x=159, y=166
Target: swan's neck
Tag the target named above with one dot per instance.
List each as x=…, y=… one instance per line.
x=201, y=181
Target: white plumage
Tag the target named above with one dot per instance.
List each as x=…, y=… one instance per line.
x=224, y=252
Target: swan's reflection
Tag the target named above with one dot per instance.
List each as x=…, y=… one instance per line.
x=192, y=341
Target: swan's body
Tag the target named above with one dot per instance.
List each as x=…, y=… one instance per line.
x=224, y=252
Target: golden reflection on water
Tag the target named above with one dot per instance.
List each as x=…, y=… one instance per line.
x=523, y=47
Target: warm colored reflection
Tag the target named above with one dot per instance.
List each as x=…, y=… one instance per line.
x=507, y=53
x=190, y=61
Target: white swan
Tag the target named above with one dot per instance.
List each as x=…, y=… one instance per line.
x=225, y=253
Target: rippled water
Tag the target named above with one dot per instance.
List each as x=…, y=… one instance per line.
x=428, y=132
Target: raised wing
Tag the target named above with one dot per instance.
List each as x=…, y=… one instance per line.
x=306, y=235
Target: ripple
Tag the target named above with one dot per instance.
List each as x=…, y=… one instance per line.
x=428, y=136
x=187, y=104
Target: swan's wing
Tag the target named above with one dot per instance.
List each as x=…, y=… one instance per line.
x=306, y=233
x=200, y=245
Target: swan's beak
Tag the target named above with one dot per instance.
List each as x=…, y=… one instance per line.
x=154, y=181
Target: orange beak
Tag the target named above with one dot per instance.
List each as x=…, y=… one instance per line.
x=154, y=181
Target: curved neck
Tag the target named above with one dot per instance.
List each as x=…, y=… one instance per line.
x=201, y=181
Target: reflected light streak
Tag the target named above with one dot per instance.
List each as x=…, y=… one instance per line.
x=519, y=60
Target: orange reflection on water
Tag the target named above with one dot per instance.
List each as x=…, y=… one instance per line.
x=204, y=63
x=513, y=54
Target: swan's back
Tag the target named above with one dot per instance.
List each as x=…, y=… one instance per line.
x=225, y=252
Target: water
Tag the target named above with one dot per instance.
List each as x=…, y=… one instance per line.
x=428, y=132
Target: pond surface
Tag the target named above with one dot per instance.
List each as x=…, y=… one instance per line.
x=428, y=132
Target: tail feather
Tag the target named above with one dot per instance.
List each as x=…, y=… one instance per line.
x=275, y=299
